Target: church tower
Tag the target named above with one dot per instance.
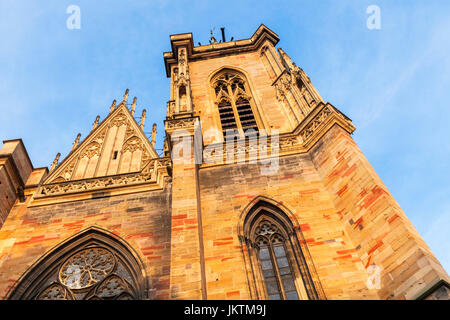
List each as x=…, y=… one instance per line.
x=277, y=199
x=260, y=193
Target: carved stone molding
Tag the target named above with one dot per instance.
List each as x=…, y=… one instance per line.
x=289, y=141
x=244, y=148
x=119, y=120
x=147, y=175
x=101, y=135
x=170, y=108
x=91, y=265
x=132, y=144
x=67, y=173
x=315, y=123
x=308, y=132
x=183, y=123
x=91, y=150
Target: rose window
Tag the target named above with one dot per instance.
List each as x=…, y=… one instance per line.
x=86, y=267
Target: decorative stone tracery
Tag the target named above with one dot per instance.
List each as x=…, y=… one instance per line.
x=234, y=102
x=91, y=150
x=86, y=268
x=147, y=175
x=181, y=93
x=315, y=123
x=91, y=266
x=90, y=274
x=132, y=144
x=279, y=266
x=120, y=120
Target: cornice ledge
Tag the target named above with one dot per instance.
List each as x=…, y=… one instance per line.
x=319, y=122
x=233, y=47
x=253, y=43
x=189, y=123
x=152, y=174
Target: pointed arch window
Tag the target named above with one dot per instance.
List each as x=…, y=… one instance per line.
x=92, y=266
x=279, y=264
x=275, y=266
x=235, y=105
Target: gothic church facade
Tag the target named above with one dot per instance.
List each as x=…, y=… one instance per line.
x=260, y=193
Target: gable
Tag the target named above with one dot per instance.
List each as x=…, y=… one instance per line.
x=117, y=146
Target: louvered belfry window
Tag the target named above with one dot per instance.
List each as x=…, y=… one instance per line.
x=233, y=102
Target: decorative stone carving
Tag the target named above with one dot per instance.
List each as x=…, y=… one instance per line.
x=182, y=57
x=113, y=106
x=133, y=106
x=132, y=144
x=316, y=122
x=280, y=92
x=55, y=162
x=222, y=95
x=87, y=267
x=54, y=292
x=77, y=139
x=170, y=108
x=112, y=286
x=125, y=97
x=67, y=187
x=267, y=232
x=130, y=132
x=181, y=93
x=97, y=270
x=97, y=119
x=284, y=84
x=181, y=123
x=91, y=150
x=145, y=158
x=286, y=142
x=67, y=173
x=153, y=139
x=92, y=147
x=119, y=120
x=100, y=137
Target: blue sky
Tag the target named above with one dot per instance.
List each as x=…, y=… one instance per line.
x=393, y=82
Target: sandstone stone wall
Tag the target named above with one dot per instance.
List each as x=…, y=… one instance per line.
x=381, y=233
x=141, y=219
x=225, y=193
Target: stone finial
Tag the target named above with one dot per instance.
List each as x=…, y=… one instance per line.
x=166, y=150
x=125, y=97
x=55, y=162
x=143, y=119
x=154, y=135
x=113, y=106
x=96, y=122
x=75, y=143
x=286, y=59
x=133, y=106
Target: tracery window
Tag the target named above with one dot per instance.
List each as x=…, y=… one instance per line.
x=93, y=271
x=276, y=269
x=279, y=267
x=234, y=103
